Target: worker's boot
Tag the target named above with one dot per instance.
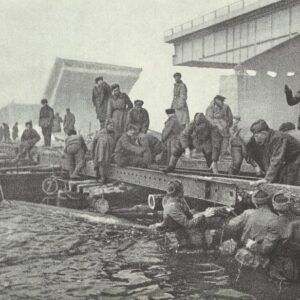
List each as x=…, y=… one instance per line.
x=214, y=167
x=172, y=165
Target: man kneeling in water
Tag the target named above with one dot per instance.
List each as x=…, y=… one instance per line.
x=178, y=218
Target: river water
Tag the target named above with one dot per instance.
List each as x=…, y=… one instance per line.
x=51, y=253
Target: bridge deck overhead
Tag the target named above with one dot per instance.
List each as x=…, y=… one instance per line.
x=235, y=33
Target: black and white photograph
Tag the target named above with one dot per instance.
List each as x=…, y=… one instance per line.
x=150, y=149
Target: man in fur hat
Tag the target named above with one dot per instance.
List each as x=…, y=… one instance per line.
x=102, y=149
x=139, y=116
x=171, y=133
x=100, y=96
x=220, y=116
x=46, y=121
x=197, y=135
x=127, y=152
x=252, y=223
x=277, y=154
x=282, y=239
x=178, y=218
x=28, y=140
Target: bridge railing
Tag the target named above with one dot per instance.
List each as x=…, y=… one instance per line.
x=212, y=16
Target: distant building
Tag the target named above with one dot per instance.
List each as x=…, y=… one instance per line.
x=20, y=113
x=71, y=83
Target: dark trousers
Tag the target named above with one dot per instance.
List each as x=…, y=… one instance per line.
x=237, y=159
x=219, y=144
x=47, y=135
x=130, y=160
x=205, y=148
x=76, y=162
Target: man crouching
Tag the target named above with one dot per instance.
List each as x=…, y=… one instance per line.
x=178, y=218
x=75, y=151
x=28, y=140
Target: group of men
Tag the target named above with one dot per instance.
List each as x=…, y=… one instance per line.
x=266, y=236
x=49, y=123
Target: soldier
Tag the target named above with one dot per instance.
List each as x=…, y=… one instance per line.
x=75, y=150
x=220, y=116
x=277, y=154
x=29, y=139
x=171, y=132
x=252, y=223
x=127, y=153
x=69, y=121
x=290, y=129
x=292, y=100
x=197, y=135
x=46, y=121
x=6, y=133
x=102, y=149
x=15, y=131
x=101, y=94
x=282, y=239
x=139, y=116
x=180, y=101
x=178, y=218
x=56, y=123
x=118, y=105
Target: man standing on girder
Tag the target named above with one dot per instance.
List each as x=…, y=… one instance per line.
x=69, y=121
x=180, y=101
x=220, y=116
x=197, y=135
x=46, y=121
x=101, y=94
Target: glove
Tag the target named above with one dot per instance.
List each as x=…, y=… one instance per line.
x=258, y=171
x=187, y=153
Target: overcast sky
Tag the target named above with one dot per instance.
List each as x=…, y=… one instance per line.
x=126, y=32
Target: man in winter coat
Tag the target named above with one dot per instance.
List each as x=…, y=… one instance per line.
x=197, y=135
x=101, y=94
x=46, y=121
x=127, y=152
x=178, y=218
x=103, y=148
x=220, y=116
x=28, y=140
x=171, y=132
x=69, y=121
x=277, y=154
x=282, y=239
x=117, y=109
x=180, y=101
x=6, y=133
x=139, y=116
x=252, y=223
x=15, y=131
x=75, y=150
